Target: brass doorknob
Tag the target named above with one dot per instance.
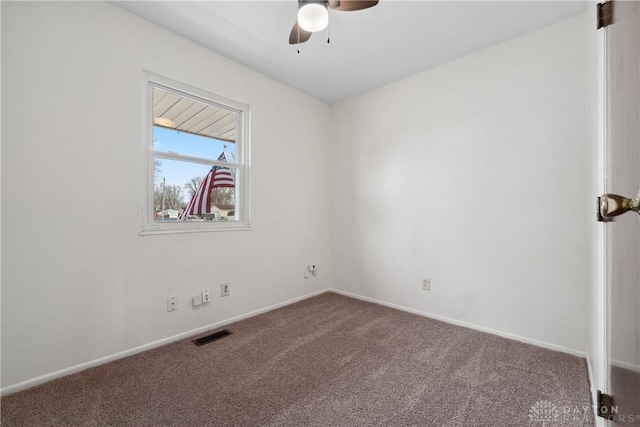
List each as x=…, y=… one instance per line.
x=613, y=205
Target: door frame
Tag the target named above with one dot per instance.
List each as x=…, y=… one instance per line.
x=598, y=359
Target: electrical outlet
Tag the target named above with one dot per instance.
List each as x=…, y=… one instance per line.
x=311, y=270
x=172, y=302
x=224, y=289
x=206, y=296
x=426, y=284
x=196, y=300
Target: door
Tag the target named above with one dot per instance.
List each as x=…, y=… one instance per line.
x=622, y=149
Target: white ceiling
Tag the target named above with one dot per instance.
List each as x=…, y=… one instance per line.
x=368, y=49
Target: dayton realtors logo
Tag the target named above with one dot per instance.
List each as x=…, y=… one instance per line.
x=544, y=412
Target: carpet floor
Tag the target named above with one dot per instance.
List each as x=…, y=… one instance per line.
x=329, y=360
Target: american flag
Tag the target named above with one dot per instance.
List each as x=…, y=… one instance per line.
x=218, y=177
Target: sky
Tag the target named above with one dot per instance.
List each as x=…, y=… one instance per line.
x=179, y=172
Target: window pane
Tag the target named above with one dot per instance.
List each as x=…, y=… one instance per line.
x=186, y=144
x=188, y=126
x=198, y=150
x=185, y=191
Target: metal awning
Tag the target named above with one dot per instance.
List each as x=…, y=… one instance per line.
x=189, y=115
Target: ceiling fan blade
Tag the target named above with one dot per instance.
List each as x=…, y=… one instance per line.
x=298, y=35
x=351, y=5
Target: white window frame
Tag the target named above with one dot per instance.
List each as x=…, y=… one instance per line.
x=241, y=164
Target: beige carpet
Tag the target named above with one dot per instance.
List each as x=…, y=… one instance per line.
x=326, y=361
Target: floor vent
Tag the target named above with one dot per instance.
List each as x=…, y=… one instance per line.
x=213, y=337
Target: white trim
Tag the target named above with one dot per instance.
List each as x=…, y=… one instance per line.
x=601, y=381
x=190, y=159
x=14, y=388
x=592, y=386
x=594, y=392
x=515, y=337
x=603, y=146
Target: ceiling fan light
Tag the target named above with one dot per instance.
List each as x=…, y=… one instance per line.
x=313, y=17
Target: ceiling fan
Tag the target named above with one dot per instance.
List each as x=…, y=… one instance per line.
x=313, y=16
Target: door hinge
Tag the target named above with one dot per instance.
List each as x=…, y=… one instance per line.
x=605, y=14
x=605, y=405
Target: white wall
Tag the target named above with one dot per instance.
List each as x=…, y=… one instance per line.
x=473, y=174
x=78, y=282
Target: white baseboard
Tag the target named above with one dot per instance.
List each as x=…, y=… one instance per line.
x=626, y=365
x=100, y=361
x=592, y=383
x=520, y=338
x=14, y=388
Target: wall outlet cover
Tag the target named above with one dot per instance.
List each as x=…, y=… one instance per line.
x=224, y=289
x=172, y=303
x=196, y=300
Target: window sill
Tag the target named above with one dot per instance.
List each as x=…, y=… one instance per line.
x=156, y=230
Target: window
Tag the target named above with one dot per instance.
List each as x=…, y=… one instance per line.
x=197, y=146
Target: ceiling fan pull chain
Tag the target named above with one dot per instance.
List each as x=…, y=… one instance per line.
x=329, y=33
